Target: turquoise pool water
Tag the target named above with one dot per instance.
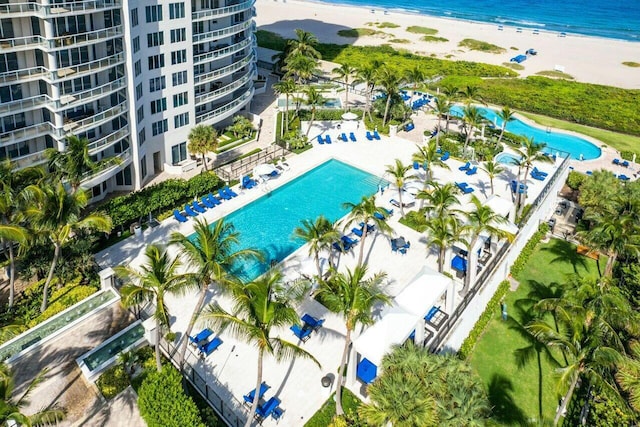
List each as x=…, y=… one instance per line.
x=268, y=223
x=507, y=159
x=114, y=347
x=577, y=147
x=329, y=103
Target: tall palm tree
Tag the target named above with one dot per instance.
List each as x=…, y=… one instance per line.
x=506, y=115
x=212, y=253
x=473, y=119
x=11, y=407
x=313, y=99
x=155, y=280
x=345, y=72
x=364, y=212
x=56, y=214
x=530, y=152
x=286, y=87
x=451, y=91
x=493, y=169
x=390, y=81
x=415, y=76
x=203, y=139
x=256, y=313
x=304, y=44
x=301, y=66
x=471, y=94
x=481, y=220
x=440, y=200
x=73, y=163
x=319, y=235
x=441, y=107
x=400, y=175
x=367, y=76
x=628, y=375
x=353, y=297
x=443, y=232
x=428, y=157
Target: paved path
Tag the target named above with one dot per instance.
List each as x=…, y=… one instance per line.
x=121, y=411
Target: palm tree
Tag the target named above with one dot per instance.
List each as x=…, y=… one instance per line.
x=530, y=152
x=345, y=72
x=390, y=81
x=364, y=212
x=471, y=94
x=211, y=252
x=415, y=76
x=367, y=75
x=443, y=232
x=506, y=115
x=202, y=140
x=286, y=87
x=428, y=157
x=155, y=280
x=319, y=235
x=255, y=314
x=441, y=199
x=441, y=107
x=73, y=163
x=493, y=169
x=451, y=91
x=399, y=174
x=353, y=297
x=472, y=118
x=56, y=215
x=481, y=220
x=10, y=412
x=313, y=99
x=301, y=66
x=305, y=44
x=628, y=375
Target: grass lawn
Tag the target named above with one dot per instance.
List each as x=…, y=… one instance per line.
x=514, y=391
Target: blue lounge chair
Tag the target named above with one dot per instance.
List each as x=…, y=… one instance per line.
x=327, y=139
x=248, y=398
x=202, y=336
x=616, y=161
x=370, y=227
x=357, y=231
x=459, y=264
x=623, y=177
x=303, y=334
x=366, y=371
x=465, y=166
x=223, y=195
x=349, y=241
x=464, y=187
x=312, y=322
x=537, y=176
x=343, y=136
x=376, y=135
x=472, y=171
x=213, y=199
x=514, y=187
x=178, y=216
x=277, y=413
x=198, y=207
x=369, y=136
x=409, y=127
x=189, y=210
x=248, y=183
x=320, y=140
x=207, y=203
x=263, y=411
x=432, y=312
x=416, y=165
x=210, y=347
x=625, y=164
x=229, y=191
x=352, y=137
x=539, y=172
x=445, y=156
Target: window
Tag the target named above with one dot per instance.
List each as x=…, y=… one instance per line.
x=134, y=17
x=137, y=66
x=156, y=61
x=180, y=99
x=159, y=127
x=155, y=39
x=143, y=166
x=142, y=137
x=157, y=83
x=178, y=35
x=138, y=91
x=140, y=114
x=136, y=44
x=158, y=105
x=154, y=13
x=179, y=78
x=178, y=153
x=178, y=57
x=176, y=10
x=180, y=120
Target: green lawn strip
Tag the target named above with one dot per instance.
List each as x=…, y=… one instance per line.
x=514, y=391
x=619, y=141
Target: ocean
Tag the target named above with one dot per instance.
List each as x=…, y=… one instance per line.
x=619, y=19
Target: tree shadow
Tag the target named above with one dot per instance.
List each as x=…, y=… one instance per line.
x=505, y=410
x=564, y=252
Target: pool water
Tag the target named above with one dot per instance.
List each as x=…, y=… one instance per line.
x=507, y=159
x=268, y=223
x=117, y=344
x=329, y=103
x=578, y=148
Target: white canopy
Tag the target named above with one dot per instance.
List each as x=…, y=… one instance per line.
x=423, y=292
x=264, y=169
x=349, y=116
x=499, y=205
x=413, y=187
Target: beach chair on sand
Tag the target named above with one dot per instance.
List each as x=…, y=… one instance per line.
x=472, y=171
x=202, y=336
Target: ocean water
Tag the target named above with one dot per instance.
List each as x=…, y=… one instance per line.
x=618, y=19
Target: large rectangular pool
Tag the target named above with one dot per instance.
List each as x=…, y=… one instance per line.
x=267, y=224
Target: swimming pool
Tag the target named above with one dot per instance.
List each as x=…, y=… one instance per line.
x=268, y=223
x=328, y=103
x=578, y=148
x=507, y=159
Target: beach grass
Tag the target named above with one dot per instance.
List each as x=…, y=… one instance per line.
x=513, y=66
x=481, y=46
x=555, y=74
x=422, y=30
x=631, y=64
x=400, y=41
x=361, y=32
x=386, y=25
x=514, y=48
x=513, y=390
x=433, y=39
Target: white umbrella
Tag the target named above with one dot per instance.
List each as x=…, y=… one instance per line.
x=349, y=116
x=264, y=169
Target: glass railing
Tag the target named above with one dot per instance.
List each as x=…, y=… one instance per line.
x=225, y=90
x=29, y=132
x=107, y=141
x=88, y=67
x=55, y=10
x=93, y=121
x=224, y=109
x=222, y=11
x=217, y=34
x=224, y=71
x=28, y=42
x=25, y=104
x=108, y=165
x=17, y=75
x=28, y=160
x=73, y=40
x=223, y=52
x=71, y=100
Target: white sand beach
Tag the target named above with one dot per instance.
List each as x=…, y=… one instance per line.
x=587, y=59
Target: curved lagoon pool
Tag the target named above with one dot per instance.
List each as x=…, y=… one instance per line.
x=578, y=148
x=507, y=159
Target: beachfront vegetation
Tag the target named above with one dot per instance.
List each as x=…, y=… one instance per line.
x=555, y=74
x=434, y=39
x=383, y=24
x=481, y=46
x=422, y=30
x=327, y=412
x=362, y=32
x=400, y=41
x=513, y=66
x=631, y=64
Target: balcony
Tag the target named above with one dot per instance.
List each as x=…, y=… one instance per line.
x=212, y=36
x=23, y=76
x=225, y=90
x=78, y=40
x=83, y=69
x=95, y=120
x=20, y=105
x=108, y=140
x=226, y=110
x=106, y=169
x=18, y=10
x=224, y=71
x=223, y=52
x=77, y=99
x=30, y=132
x=29, y=160
x=22, y=43
x=203, y=15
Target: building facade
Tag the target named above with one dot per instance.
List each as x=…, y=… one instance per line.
x=132, y=77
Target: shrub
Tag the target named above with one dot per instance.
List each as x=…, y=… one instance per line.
x=628, y=155
x=113, y=381
x=575, y=180
x=202, y=184
x=481, y=46
x=164, y=403
x=492, y=307
x=415, y=220
x=521, y=261
x=326, y=413
x=63, y=298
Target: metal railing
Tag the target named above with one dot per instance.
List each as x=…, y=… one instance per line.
x=28, y=160
x=224, y=90
x=73, y=99
x=29, y=132
x=28, y=42
x=222, y=52
x=107, y=141
x=221, y=11
x=14, y=107
x=57, y=9
x=108, y=165
x=217, y=34
x=75, y=40
x=224, y=71
x=93, y=121
x=23, y=74
x=75, y=71
x=233, y=170
x=224, y=109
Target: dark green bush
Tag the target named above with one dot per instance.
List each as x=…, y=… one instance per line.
x=415, y=220
x=323, y=417
x=326, y=114
x=164, y=403
x=113, y=381
x=575, y=180
x=628, y=155
x=202, y=184
x=519, y=263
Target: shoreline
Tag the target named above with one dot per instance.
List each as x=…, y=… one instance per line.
x=588, y=59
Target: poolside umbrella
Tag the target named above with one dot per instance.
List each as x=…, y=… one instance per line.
x=264, y=169
x=349, y=116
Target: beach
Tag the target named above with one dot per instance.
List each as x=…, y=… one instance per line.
x=586, y=59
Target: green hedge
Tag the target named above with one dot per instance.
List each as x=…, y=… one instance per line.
x=575, y=180
x=519, y=263
x=63, y=298
x=327, y=412
x=488, y=313
x=158, y=198
x=164, y=403
x=113, y=381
